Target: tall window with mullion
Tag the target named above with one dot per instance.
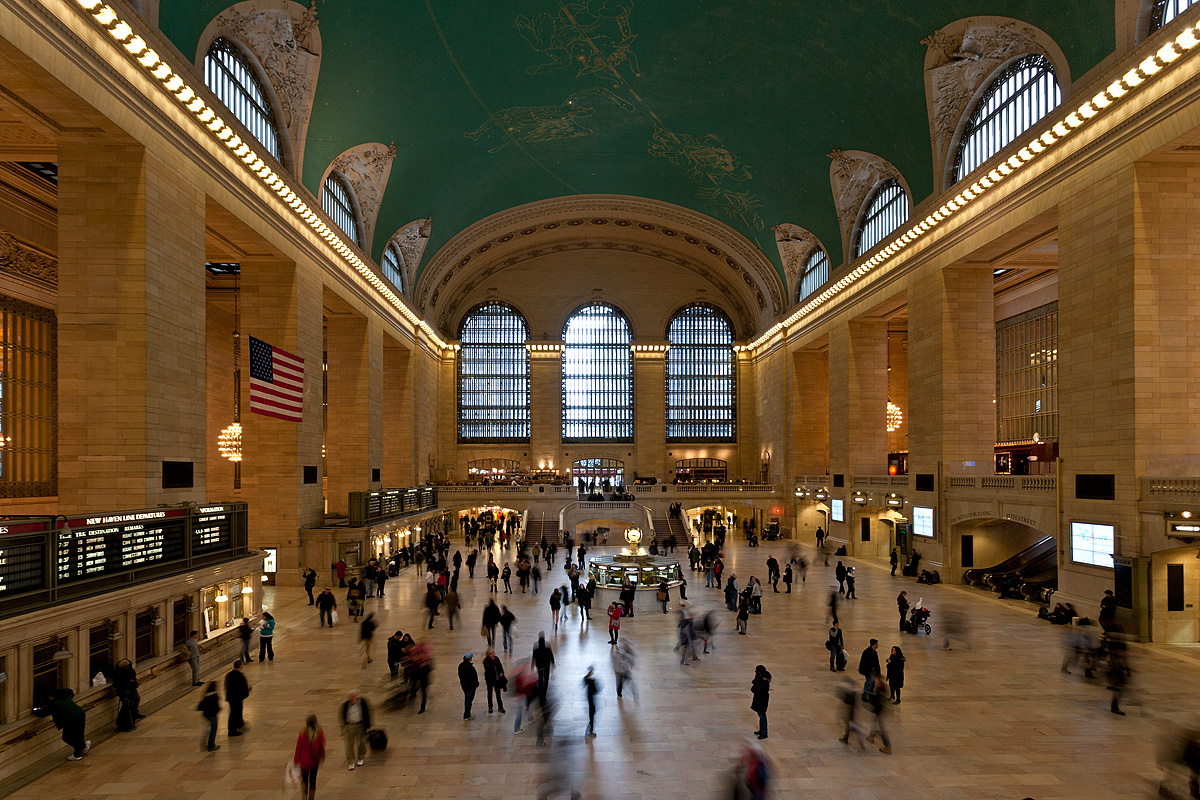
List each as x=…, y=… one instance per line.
x=886, y=212
x=335, y=200
x=493, y=375
x=597, y=376
x=390, y=263
x=1025, y=92
x=816, y=273
x=232, y=78
x=1166, y=10
x=701, y=376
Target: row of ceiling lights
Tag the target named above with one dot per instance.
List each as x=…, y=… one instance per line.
x=178, y=87
x=1032, y=149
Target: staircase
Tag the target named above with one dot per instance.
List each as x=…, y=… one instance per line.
x=665, y=527
x=536, y=529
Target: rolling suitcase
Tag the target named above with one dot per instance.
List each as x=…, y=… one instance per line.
x=377, y=739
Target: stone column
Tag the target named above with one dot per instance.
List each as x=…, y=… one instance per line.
x=397, y=415
x=649, y=413
x=281, y=305
x=354, y=436
x=131, y=326
x=545, y=396
x=810, y=412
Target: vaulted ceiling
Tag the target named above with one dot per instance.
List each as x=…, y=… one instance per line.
x=726, y=107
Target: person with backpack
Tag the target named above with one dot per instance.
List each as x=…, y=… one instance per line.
x=835, y=645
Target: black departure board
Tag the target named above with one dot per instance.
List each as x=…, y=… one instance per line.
x=22, y=561
x=91, y=547
x=214, y=529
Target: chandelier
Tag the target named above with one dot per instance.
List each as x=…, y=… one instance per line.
x=229, y=442
x=895, y=417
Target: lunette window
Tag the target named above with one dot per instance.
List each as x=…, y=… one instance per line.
x=390, y=263
x=1020, y=96
x=231, y=77
x=700, y=376
x=493, y=375
x=887, y=211
x=1166, y=10
x=815, y=274
x=597, y=376
x=335, y=199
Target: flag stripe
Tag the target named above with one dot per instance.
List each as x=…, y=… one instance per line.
x=276, y=382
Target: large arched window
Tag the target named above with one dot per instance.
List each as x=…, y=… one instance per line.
x=597, y=376
x=390, y=263
x=1022, y=94
x=816, y=272
x=700, y=376
x=886, y=212
x=493, y=375
x=1166, y=10
x=231, y=77
x=336, y=199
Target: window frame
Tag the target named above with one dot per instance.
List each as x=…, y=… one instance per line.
x=623, y=422
x=346, y=205
x=520, y=378
x=393, y=273
x=875, y=209
x=263, y=119
x=1159, y=10
x=701, y=381
x=987, y=124
x=818, y=254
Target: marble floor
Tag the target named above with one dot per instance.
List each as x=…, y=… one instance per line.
x=996, y=720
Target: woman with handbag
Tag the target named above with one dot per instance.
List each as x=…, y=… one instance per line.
x=494, y=678
x=310, y=752
x=664, y=595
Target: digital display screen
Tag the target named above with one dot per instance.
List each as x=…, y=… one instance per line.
x=21, y=568
x=922, y=521
x=1092, y=543
x=214, y=529
x=839, y=510
x=95, y=546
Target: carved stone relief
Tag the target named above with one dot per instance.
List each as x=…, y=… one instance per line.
x=794, y=244
x=853, y=175
x=410, y=241
x=367, y=168
x=23, y=261
x=961, y=57
x=285, y=38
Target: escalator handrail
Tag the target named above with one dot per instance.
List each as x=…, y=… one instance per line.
x=1012, y=562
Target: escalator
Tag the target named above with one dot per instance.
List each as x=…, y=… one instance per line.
x=1037, y=588
x=1036, y=559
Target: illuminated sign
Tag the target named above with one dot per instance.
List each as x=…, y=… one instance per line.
x=922, y=521
x=839, y=510
x=1092, y=543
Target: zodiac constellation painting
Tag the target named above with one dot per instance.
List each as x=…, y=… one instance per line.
x=594, y=37
x=707, y=159
x=535, y=124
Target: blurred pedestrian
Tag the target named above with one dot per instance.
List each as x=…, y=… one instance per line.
x=624, y=662
x=761, y=689
x=850, y=595
x=245, y=631
x=366, y=634
x=591, y=688
x=309, y=755
x=875, y=702
x=452, y=606
x=848, y=697
x=839, y=572
x=210, y=708
x=192, y=645
x=543, y=661
x=395, y=653
x=555, y=606
x=507, y=620
x=1118, y=676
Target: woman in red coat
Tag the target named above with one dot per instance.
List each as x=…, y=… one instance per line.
x=310, y=752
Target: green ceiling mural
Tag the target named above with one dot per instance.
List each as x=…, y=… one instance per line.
x=729, y=107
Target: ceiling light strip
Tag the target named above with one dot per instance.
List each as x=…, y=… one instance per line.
x=1131, y=82
x=176, y=85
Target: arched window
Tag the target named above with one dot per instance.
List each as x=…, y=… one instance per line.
x=231, y=77
x=493, y=375
x=1022, y=94
x=887, y=211
x=700, y=376
x=335, y=199
x=1166, y=10
x=597, y=376
x=816, y=272
x=391, y=267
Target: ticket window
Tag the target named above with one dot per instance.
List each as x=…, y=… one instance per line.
x=237, y=603
x=212, y=610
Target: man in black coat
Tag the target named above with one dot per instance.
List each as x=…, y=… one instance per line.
x=310, y=580
x=543, y=660
x=395, y=652
x=237, y=689
x=868, y=667
x=468, y=678
x=125, y=682
x=68, y=718
x=761, y=689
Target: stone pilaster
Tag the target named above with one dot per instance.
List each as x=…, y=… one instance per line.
x=810, y=412
x=397, y=415
x=649, y=413
x=354, y=435
x=545, y=393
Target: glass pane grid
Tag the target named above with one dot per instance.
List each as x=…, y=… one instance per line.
x=28, y=405
x=336, y=202
x=493, y=376
x=700, y=373
x=1167, y=10
x=887, y=212
x=391, y=267
x=231, y=78
x=1021, y=96
x=597, y=376
x=1027, y=376
x=816, y=273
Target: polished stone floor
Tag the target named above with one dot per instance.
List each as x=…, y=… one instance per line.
x=995, y=720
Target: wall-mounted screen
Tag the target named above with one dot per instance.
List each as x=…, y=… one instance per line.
x=1092, y=543
x=922, y=521
x=839, y=510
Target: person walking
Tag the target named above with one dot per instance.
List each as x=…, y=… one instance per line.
x=237, y=689
x=835, y=645
x=875, y=702
x=731, y=593
x=543, y=661
x=468, y=679
x=210, y=707
x=493, y=573
x=366, y=634
x=192, y=645
x=868, y=666
x=615, y=612
x=1118, y=676
x=309, y=755
x=761, y=689
x=903, y=605
x=495, y=679
x=850, y=595
x=555, y=606
x=310, y=580
x=535, y=573
x=339, y=569
x=894, y=559
x=245, y=631
x=591, y=688
x=472, y=557
x=664, y=594
x=433, y=599
x=505, y=576
x=756, y=594
x=326, y=607
x=491, y=618
x=355, y=717
x=623, y=664
x=787, y=579
x=895, y=673
x=848, y=695
x=266, y=638
x=773, y=573
x=833, y=605
x=839, y=572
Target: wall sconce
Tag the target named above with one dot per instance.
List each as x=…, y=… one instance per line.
x=221, y=598
x=62, y=654
x=247, y=590
x=114, y=635
x=821, y=495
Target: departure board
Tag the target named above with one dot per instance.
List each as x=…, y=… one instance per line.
x=214, y=529
x=90, y=547
x=21, y=566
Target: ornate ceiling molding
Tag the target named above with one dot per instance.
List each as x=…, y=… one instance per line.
x=285, y=38
x=21, y=260
x=960, y=62
x=794, y=243
x=367, y=168
x=853, y=175
x=410, y=241
x=601, y=220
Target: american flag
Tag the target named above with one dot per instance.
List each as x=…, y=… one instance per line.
x=276, y=382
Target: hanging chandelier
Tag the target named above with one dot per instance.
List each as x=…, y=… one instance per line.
x=895, y=417
x=229, y=442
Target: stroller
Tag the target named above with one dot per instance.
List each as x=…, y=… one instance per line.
x=918, y=620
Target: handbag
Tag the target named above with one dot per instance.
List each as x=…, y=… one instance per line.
x=291, y=776
x=662, y=597
x=483, y=631
x=333, y=616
